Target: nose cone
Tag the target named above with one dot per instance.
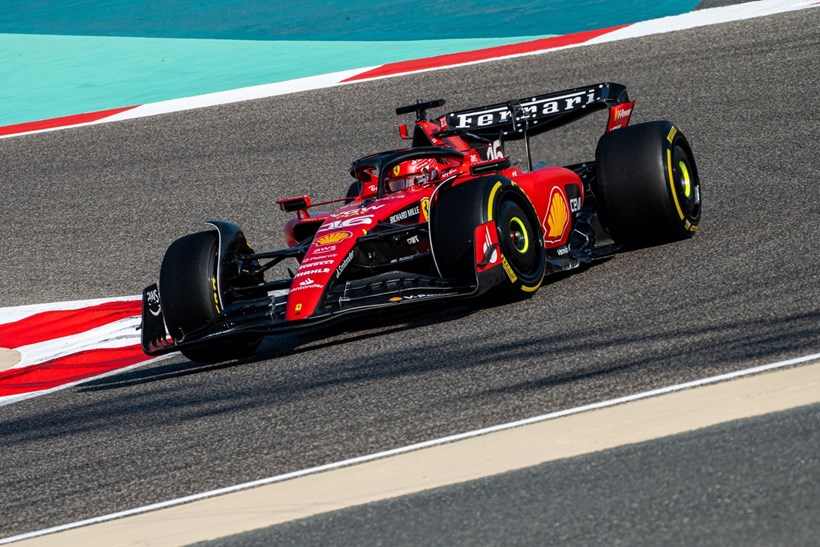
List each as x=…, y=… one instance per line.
x=319, y=269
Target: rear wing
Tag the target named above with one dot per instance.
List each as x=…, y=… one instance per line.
x=530, y=116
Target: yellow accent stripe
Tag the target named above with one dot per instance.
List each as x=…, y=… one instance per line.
x=216, y=294
x=672, y=183
x=492, y=200
x=534, y=288
x=516, y=220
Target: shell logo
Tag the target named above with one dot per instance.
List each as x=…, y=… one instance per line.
x=555, y=224
x=335, y=237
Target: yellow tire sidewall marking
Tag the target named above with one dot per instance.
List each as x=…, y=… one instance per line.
x=672, y=183
x=216, y=294
x=491, y=201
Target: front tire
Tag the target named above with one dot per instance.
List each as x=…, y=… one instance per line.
x=460, y=209
x=190, y=298
x=647, y=184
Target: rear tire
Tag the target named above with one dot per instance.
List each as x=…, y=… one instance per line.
x=190, y=299
x=647, y=184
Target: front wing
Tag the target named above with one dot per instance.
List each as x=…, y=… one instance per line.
x=267, y=315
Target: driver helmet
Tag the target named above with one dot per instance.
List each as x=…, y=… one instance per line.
x=411, y=173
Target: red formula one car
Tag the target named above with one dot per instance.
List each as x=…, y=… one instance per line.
x=447, y=217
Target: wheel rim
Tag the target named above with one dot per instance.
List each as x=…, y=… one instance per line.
x=687, y=185
x=519, y=235
x=517, y=239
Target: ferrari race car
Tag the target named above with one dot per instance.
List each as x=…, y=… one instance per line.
x=448, y=217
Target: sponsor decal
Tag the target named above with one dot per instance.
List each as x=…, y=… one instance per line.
x=486, y=246
x=396, y=299
x=672, y=133
x=533, y=108
x=307, y=281
x=357, y=212
x=312, y=271
x=619, y=116
x=344, y=263
x=417, y=296
x=574, y=204
x=562, y=250
x=488, y=242
x=405, y=214
x=413, y=240
x=348, y=214
x=317, y=261
x=557, y=219
x=153, y=302
x=425, y=209
x=298, y=307
x=508, y=269
x=396, y=170
x=323, y=250
x=347, y=223
x=335, y=237
x=304, y=287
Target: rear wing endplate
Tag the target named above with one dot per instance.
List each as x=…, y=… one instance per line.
x=533, y=115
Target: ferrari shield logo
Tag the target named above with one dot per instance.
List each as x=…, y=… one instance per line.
x=425, y=209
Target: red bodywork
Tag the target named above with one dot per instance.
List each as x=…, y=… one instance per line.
x=555, y=193
x=447, y=217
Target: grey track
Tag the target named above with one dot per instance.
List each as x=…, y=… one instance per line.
x=88, y=213
x=715, y=486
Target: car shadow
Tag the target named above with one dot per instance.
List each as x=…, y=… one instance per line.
x=335, y=333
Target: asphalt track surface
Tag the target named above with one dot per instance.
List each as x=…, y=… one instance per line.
x=665, y=492
x=88, y=212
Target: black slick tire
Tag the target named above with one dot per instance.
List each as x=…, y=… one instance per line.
x=647, y=184
x=190, y=298
x=460, y=209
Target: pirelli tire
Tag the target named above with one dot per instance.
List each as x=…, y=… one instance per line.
x=647, y=184
x=188, y=292
x=458, y=210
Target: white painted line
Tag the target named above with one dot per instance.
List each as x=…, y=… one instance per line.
x=702, y=18
x=235, y=95
x=417, y=446
x=10, y=399
x=16, y=313
x=117, y=334
x=664, y=25
x=690, y=20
